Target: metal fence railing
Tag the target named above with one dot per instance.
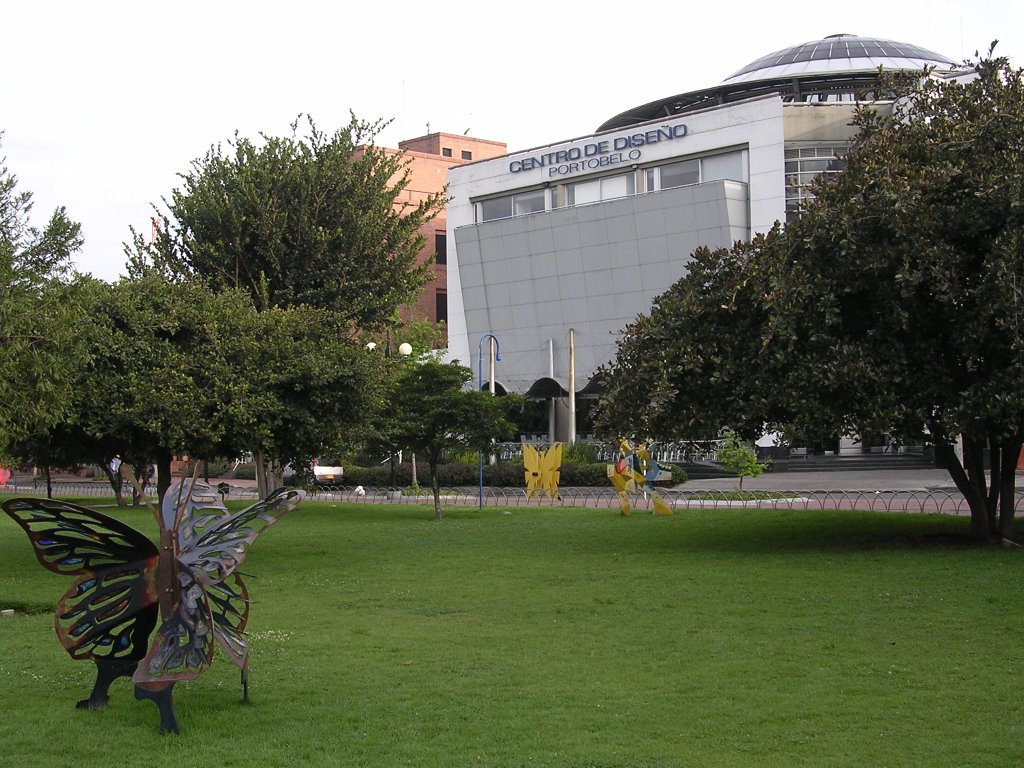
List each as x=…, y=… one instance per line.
x=932, y=501
x=61, y=488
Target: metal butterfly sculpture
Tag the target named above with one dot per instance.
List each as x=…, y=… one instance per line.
x=124, y=581
x=542, y=470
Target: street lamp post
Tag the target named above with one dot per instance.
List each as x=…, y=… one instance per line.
x=404, y=349
x=494, y=354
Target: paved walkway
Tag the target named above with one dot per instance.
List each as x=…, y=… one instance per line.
x=849, y=480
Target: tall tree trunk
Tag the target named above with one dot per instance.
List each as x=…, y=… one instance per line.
x=435, y=486
x=49, y=482
x=163, y=474
x=116, y=482
x=269, y=474
x=144, y=474
x=995, y=463
x=1008, y=485
x=966, y=484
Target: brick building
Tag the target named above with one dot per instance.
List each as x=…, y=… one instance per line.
x=429, y=158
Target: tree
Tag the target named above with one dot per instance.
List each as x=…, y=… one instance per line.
x=155, y=383
x=430, y=412
x=689, y=368
x=176, y=368
x=893, y=304
x=914, y=258
x=322, y=221
x=739, y=458
x=40, y=312
x=300, y=389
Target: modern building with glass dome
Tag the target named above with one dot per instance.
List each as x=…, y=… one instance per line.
x=554, y=250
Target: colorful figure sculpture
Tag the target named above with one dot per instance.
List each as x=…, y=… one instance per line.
x=636, y=471
x=542, y=470
x=124, y=580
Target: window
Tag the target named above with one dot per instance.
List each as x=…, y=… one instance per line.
x=680, y=174
x=440, y=248
x=803, y=165
x=518, y=204
x=528, y=202
x=728, y=165
x=441, y=307
x=595, y=190
x=467, y=155
x=498, y=208
x=446, y=151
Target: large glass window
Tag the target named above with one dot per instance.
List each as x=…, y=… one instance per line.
x=497, y=208
x=680, y=174
x=595, y=190
x=583, y=192
x=728, y=165
x=518, y=204
x=803, y=165
x=528, y=202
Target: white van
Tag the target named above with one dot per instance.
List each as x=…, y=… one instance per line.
x=327, y=472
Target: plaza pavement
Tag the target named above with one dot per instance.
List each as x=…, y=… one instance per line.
x=844, y=480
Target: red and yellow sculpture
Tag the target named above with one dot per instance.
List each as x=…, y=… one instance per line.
x=542, y=470
x=635, y=472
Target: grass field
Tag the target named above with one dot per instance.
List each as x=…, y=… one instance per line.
x=565, y=638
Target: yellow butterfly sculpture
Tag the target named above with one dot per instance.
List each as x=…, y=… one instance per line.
x=542, y=470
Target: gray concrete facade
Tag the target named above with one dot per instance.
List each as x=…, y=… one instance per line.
x=591, y=268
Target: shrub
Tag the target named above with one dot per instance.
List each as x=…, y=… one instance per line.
x=679, y=475
x=580, y=453
x=245, y=472
x=590, y=474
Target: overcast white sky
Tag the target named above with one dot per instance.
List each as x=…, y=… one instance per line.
x=103, y=103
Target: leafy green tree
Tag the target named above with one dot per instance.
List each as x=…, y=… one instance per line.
x=892, y=305
x=299, y=390
x=40, y=313
x=689, y=368
x=739, y=458
x=322, y=220
x=153, y=387
x=179, y=369
x=906, y=280
x=430, y=412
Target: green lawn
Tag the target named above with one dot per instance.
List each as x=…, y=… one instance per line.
x=567, y=637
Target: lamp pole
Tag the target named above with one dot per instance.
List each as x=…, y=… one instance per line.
x=494, y=354
x=404, y=349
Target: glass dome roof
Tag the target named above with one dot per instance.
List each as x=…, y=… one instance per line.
x=838, y=53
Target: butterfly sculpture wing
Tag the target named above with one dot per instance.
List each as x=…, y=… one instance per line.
x=551, y=470
x=212, y=598
x=215, y=553
x=110, y=609
x=531, y=469
x=229, y=606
